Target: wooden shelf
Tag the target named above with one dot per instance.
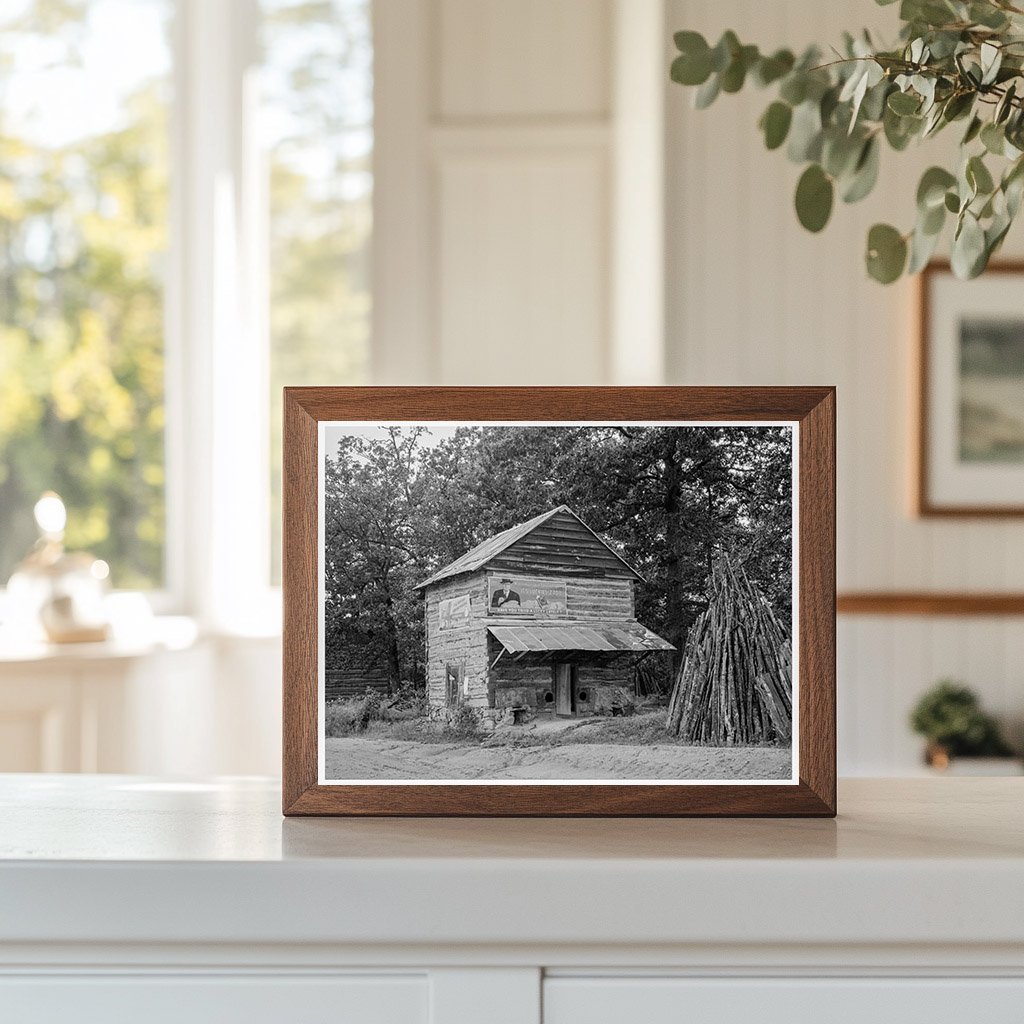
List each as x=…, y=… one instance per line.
x=928, y=603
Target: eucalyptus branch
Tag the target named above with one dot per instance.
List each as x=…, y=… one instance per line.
x=955, y=61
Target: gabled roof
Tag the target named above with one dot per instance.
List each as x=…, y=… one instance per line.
x=489, y=549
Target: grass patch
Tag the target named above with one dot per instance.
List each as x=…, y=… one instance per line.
x=396, y=718
x=356, y=715
x=370, y=717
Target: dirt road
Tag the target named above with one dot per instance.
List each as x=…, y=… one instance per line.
x=355, y=758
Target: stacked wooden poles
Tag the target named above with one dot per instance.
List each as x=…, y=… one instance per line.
x=735, y=685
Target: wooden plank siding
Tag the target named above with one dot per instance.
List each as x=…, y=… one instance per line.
x=561, y=546
x=340, y=683
x=600, y=600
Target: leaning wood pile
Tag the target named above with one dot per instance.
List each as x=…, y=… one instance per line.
x=735, y=685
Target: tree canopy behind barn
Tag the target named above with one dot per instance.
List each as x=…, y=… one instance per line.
x=401, y=502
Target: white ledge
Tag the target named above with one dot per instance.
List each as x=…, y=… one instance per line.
x=115, y=860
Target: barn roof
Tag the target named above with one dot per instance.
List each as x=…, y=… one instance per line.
x=489, y=549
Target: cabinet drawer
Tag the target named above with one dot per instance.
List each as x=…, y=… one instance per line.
x=661, y=1000
x=202, y=999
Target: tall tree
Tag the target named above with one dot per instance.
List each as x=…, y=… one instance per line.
x=668, y=498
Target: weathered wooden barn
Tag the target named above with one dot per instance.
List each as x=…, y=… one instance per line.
x=541, y=616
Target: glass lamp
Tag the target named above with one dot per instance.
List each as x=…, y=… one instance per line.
x=56, y=595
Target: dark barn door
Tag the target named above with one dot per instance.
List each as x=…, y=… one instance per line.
x=563, y=690
x=453, y=685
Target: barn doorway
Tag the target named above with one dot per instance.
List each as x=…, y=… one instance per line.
x=452, y=684
x=565, y=688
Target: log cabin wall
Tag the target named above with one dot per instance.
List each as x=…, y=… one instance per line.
x=512, y=683
x=465, y=645
x=591, y=600
x=518, y=684
x=526, y=683
x=598, y=687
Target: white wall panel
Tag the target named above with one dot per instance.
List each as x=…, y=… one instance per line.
x=510, y=161
x=525, y=58
x=754, y=299
x=522, y=281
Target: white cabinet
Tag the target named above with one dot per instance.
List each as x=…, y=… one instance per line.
x=172, y=704
x=832, y=1000
x=101, y=707
x=126, y=899
x=200, y=999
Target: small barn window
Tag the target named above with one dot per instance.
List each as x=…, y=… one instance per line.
x=582, y=695
x=549, y=697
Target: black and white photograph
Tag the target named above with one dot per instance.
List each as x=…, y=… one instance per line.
x=606, y=602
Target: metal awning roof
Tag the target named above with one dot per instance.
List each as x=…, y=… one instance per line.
x=605, y=636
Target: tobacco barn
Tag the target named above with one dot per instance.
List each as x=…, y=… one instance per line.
x=540, y=616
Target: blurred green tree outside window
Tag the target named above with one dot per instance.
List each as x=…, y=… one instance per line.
x=83, y=237
x=84, y=210
x=317, y=119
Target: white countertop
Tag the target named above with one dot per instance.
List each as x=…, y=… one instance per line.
x=122, y=859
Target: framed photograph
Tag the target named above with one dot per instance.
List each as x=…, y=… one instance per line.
x=559, y=601
x=970, y=445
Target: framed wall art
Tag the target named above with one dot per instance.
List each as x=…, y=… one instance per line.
x=559, y=601
x=970, y=443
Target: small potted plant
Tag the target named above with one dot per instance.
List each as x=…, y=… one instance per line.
x=950, y=718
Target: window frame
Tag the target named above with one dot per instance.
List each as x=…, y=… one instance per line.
x=216, y=326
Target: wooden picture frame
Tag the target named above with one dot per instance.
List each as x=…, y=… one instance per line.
x=811, y=792
x=931, y=375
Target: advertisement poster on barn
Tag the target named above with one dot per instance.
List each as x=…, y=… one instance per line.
x=522, y=595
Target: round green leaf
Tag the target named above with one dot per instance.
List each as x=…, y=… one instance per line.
x=952, y=202
x=987, y=15
x=973, y=130
x=968, y=255
x=978, y=176
x=693, y=65
x=922, y=248
x=689, y=42
x=814, y=194
x=899, y=130
x=805, y=133
x=865, y=173
x=993, y=138
x=707, y=93
x=930, y=221
x=958, y=106
x=775, y=123
x=770, y=69
x=735, y=74
x=932, y=189
x=887, y=253
x=725, y=49
x=903, y=103
x=794, y=89
x=840, y=152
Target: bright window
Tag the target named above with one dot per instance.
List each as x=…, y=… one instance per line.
x=317, y=118
x=161, y=279
x=83, y=236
